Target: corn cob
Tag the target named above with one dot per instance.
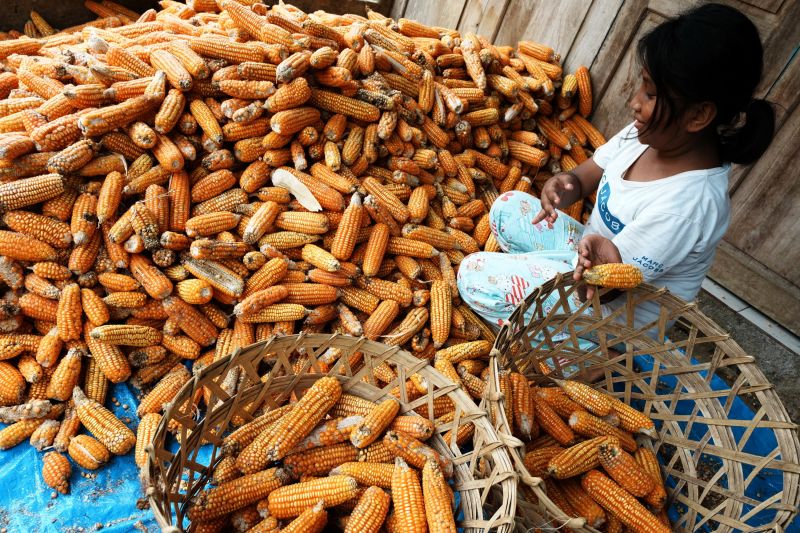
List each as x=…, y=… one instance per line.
x=25, y=248
x=108, y=357
x=367, y=473
x=537, y=460
x=245, y=434
x=333, y=431
x=437, y=496
x=649, y=463
x=590, y=399
x=591, y=426
x=28, y=410
x=225, y=471
x=105, y=427
x=293, y=120
x=632, y=420
x=618, y=502
x=584, y=89
x=370, y=511
x=320, y=460
x=144, y=435
x=128, y=335
x=236, y=494
x=472, y=384
x=350, y=405
x=164, y=392
x=290, y=501
x=17, y=432
x=614, y=275
x=415, y=452
x=65, y=376
x=312, y=520
x=558, y=400
x=624, y=469
x=582, y=503
x=56, y=471
x=88, y=452
x=552, y=423
x=337, y=103
x=407, y=498
x=578, y=458
x=293, y=427
x=374, y=423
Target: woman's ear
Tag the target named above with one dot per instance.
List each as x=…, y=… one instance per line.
x=699, y=116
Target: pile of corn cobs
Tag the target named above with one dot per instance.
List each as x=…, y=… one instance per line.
x=182, y=183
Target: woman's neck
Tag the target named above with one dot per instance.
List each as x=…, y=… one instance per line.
x=693, y=151
x=684, y=154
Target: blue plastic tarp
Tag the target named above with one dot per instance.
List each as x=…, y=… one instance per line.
x=106, y=496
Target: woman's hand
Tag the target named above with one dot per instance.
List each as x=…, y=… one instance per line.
x=594, y=250
x=557, y=192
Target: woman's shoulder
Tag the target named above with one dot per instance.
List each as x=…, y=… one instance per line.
x=696, y=194
x=625, y=141
x=625, y=137
x=707, y=182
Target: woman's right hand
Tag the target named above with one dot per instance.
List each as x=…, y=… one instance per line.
x=554, y=191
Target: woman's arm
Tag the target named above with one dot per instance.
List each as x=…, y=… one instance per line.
x=566, y=188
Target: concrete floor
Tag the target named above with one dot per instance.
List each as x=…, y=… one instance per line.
x=778, y=363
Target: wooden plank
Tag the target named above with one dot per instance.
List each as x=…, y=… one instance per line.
x=780, y=34
x=785, y=96
x=612, y=112
x=445, y=13
x=552, y=22
x=767, y=5
x=398, y=9
x=616, y=46
x=596, y=25
x=765, y=211
x=483, y=17
x=759, y=286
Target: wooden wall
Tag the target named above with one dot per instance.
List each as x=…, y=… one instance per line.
x=759, y=258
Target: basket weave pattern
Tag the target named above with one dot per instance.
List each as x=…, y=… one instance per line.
x=728, y=449
x=273, y=370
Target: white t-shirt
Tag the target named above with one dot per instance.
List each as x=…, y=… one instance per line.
x=669, y=227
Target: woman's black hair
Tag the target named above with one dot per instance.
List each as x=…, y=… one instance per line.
x=711, y=53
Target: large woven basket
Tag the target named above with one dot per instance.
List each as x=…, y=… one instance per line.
x=484, y=477
x=727, y=446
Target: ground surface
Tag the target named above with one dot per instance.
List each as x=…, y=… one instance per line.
x=778, y=363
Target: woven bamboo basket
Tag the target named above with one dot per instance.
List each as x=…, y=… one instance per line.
x=728, y=449
x=276, y=369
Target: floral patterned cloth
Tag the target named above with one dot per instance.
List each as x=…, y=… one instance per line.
x=494, y=283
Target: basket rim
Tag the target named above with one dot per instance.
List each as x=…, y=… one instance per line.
x=774, y=410
x=486, y=442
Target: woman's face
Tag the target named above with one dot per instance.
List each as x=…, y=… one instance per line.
x=644, y=101
x=643, y=105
